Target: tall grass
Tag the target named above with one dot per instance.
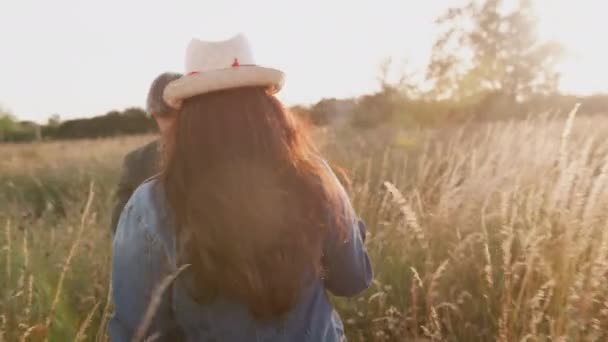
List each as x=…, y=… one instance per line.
x=494, y=232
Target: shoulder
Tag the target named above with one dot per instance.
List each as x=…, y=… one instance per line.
x=144, y=214
x=143, y=195
x=149, y=198
x=135, y=157
x=150, y=148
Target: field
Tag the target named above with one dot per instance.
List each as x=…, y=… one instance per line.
x=485, y=232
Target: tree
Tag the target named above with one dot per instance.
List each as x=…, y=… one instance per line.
x=54, y=120
x=376, y=109
x=8, y=123
x=405, y=82
x=485, y=49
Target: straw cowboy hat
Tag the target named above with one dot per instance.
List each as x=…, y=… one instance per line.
x=220, y=65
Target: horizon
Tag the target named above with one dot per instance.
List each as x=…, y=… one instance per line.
x=89, y=59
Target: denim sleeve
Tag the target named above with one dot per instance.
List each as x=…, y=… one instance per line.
x=139, y=264
x=346, y=262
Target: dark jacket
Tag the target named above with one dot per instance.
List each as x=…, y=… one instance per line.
x=138, y=166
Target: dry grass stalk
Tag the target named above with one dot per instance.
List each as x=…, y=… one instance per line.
x=29, y=331
x=567, y=171
x=582, y=182
x=2, y=327
x=538, y=305
x=38, y=331
x=433, y=328
x=157, y=295
x=597, y=188
x=81, y=336
x=563, y=154
x=7, y=231
x=105, y=314
x=409, y=215
x=416, y=285
x=24, y=275
x=30, y=296
x=433, y=291
x=506, y=247
x=68, y=260
x=435, y=332
x=26, y=252
x=486, y=248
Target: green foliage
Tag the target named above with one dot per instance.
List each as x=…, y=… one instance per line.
x=7, y=124
x=328, y=111
x=7, y=121
x=12, y=130
x=376, y=109
x=129, y=121
x=485, y=49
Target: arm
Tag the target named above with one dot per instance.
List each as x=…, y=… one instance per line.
x=139, y=265
x=347, y=265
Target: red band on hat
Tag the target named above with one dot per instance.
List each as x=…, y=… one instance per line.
x=193, y=73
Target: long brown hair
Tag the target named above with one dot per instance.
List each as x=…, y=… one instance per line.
x=253, y=202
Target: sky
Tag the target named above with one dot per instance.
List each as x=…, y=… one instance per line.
x=80, y=58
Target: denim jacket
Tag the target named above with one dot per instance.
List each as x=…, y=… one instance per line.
x=144, y=254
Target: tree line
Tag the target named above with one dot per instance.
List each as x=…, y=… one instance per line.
x=487, y=63
x=387, y=106
x=114, y=123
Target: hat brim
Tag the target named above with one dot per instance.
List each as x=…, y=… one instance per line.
x=222, y=79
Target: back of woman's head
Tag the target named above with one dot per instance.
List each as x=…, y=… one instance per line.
x=251, y=198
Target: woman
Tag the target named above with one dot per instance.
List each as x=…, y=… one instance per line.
x=245, y=201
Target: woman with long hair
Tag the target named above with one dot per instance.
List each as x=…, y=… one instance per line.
x=246, y=208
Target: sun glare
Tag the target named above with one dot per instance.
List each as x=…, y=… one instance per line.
x=580, y=27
